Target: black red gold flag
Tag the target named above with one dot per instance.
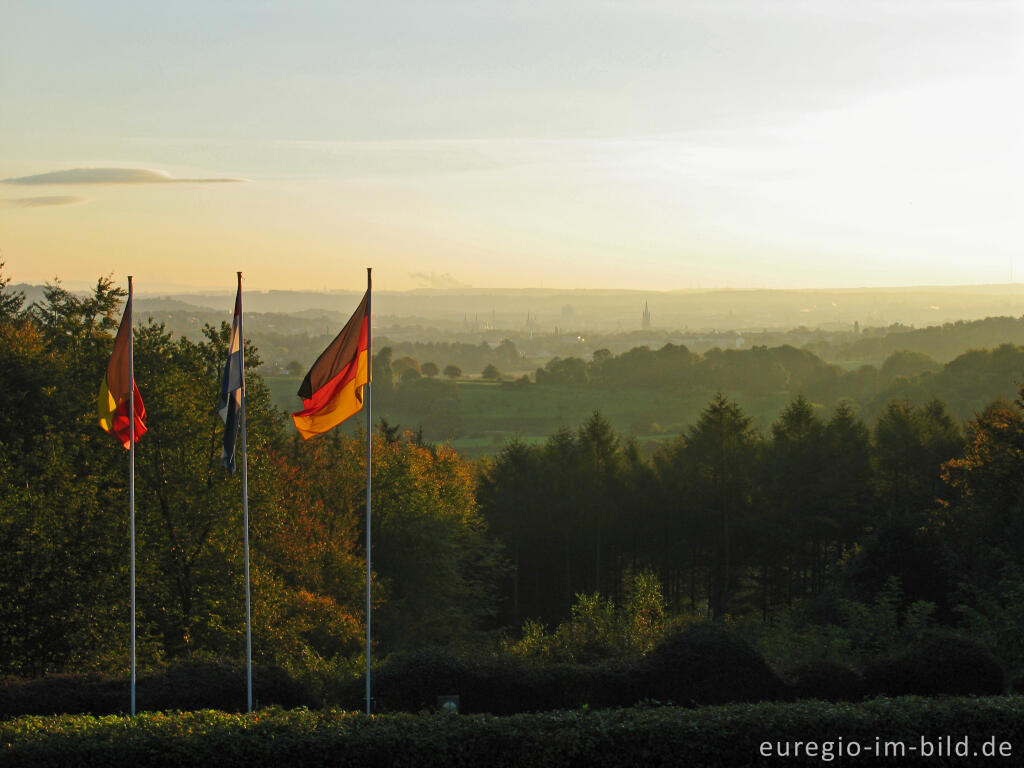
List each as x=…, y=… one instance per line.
x=333, y=389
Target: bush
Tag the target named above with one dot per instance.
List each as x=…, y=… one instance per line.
x=708, y=664
x=64, y=694
x=221, y=685
x=191, y=685
x=598, y=630
x=826, y=680
x=412, y=682
x=940, y=663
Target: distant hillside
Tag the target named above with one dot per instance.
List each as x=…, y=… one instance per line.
x=942, y=342
x=622, y=311
x=545, y=311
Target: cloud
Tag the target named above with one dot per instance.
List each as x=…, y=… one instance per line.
x=107, y=176
x=434, y=280
x=43, y=202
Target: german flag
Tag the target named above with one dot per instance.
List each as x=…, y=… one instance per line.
x=333, y=389
x=112, y=404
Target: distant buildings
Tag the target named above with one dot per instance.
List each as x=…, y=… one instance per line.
x=645, y=322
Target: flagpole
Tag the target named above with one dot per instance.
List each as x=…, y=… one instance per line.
x=131, y=471
x=369, y=444
x=245, y=508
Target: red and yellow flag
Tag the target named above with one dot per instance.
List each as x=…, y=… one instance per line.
x=333, y=389
x=112, y=404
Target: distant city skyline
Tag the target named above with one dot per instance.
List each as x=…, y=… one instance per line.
x=648, y=145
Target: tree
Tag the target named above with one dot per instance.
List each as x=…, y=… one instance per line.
x=719, y=454
x=312, y=553
x=849, y=497
x=795, y=528
x=429, y=369
x=507, y=354
x=911, y=444
x=986, y=506
x=983, y=522
x=188, y=511
x=383, y=375
x=63, y=514
x=568, y=371
x=908, y=363
x=438, y=567
x=600, y=479
x=491, y=373
x=910, y=447
x=403, y=364
x=10, y=302
x=295, y=368
x=509, y=500
x=452, y=371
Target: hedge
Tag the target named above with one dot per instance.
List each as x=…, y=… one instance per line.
x=734, y=736
x=938, y=664
x=703, y=665
x=412, y=683
x=826, y=680
x=189, y=685
x=706, y=664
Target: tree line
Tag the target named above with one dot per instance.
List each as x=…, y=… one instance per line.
x=820, y=509
x=967, y=382
x=64, y=583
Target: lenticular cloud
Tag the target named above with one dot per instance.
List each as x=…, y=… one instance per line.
x=107, y=176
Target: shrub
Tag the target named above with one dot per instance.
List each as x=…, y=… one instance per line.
x=940, y=663
x=598, y=630
x=412, y=682
x=826, y=680
x=191, y=685
x=220, y=685
x=64, y=694
x=708, y=664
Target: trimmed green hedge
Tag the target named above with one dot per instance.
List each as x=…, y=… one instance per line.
x=188, y=685
x=732, y=736
x=826, y=680
x=705, y=664
x=937, y=664
x=412, y=682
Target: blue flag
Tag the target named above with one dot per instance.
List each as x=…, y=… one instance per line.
x=230, y=406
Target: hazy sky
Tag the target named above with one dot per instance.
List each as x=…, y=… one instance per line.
x=558, y=143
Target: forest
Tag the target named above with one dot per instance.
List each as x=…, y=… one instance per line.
x=824, y=537
x=654, y=395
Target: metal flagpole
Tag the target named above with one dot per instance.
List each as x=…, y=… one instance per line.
x=131, y=470
x=245, y=506
x=369, y=444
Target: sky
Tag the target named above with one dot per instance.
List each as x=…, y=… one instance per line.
x=644, y=144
